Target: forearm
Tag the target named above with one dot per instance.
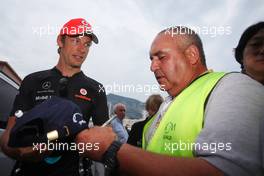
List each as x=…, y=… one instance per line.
x=26, y=153
x=11, y=152
x=136, y=162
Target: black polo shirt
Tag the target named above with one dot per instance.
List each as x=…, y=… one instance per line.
x=87, y=93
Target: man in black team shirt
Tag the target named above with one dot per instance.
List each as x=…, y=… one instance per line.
x=66, y=80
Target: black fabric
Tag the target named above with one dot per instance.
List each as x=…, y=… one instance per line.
x=53, y=114
x=135, y=135
x=93, y=104
x=85, y=92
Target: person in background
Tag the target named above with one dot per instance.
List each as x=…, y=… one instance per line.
x=152, y=106
x=117, y=123
x=249, y=52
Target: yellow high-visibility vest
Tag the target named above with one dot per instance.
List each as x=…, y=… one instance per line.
x=183, y=120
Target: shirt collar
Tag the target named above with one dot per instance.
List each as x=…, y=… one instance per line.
x=58, y=72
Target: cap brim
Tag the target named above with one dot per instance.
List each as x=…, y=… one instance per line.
x=92, y=35
x=94, y=38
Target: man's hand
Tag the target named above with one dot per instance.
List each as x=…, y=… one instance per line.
x=26, y=153
x=32, y=154
x=102, y=135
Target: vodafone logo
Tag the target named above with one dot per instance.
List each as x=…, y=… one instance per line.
x=83, y=91
x=85, y=24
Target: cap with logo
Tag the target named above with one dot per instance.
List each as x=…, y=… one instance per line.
x=78, y=26
x=53, y=119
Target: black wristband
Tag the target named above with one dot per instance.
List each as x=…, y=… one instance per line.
x=109, y=158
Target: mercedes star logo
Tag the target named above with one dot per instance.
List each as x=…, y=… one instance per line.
x=46, y=85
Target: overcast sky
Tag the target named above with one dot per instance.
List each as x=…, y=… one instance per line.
x=125, y=29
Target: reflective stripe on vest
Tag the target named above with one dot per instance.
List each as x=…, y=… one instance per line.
x=183, y=121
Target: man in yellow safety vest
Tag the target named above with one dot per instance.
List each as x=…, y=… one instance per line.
x=211, y=123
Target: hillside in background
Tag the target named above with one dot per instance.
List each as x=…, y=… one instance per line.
x=134, y=107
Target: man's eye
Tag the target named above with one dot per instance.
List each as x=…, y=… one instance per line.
x=87, y=45
x=74, y=41
x=161, y=57
x=256, y=44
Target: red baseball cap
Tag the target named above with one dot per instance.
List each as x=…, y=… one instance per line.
x=78, y=26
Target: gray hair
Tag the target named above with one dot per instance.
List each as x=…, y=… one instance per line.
x=118, y=105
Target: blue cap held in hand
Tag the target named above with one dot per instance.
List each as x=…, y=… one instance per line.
x=53, y=119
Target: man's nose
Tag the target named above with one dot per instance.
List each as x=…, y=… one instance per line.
x=82, y=48
x=154, y=64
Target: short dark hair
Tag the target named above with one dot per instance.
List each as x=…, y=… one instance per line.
x=245, y=37
x=63, y=37
x=192, y=36
x=63, y=41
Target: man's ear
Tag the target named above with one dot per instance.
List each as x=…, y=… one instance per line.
x=59, y=41
x=192, y=53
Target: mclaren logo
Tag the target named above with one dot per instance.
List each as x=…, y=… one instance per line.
x=77, y=118
x=46, y=85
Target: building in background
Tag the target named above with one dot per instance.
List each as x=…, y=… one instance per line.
x=9, y=84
